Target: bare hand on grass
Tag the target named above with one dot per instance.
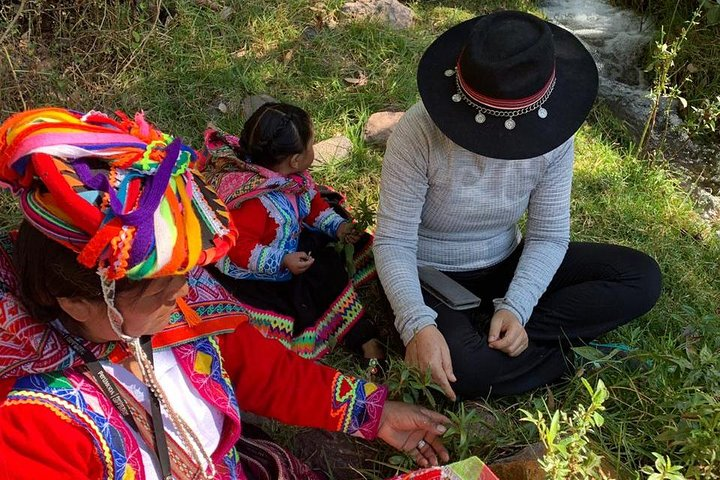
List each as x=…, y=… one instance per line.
x=428, y=349
x=414, y=430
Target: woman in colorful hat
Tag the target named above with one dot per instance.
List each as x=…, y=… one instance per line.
x=491, y=140
x=120, y=357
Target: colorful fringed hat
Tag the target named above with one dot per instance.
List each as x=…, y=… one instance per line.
x=119, y=192
x=125, y=197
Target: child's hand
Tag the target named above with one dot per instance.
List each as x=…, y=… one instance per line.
x=348, y=233
x=297, y=262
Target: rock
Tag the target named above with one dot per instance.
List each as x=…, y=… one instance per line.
x=521, y=466
x=335, y=148
x=379, y=127
x=524, y=465
x=253, y=102
x=397, y=15
x=632, y=105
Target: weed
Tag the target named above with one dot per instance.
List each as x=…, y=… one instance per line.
x=664, y=57
x=663, y=469
x=695, y=65
x=84, y=55
x=569, y=455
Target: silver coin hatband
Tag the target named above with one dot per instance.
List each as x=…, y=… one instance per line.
x=510, y=114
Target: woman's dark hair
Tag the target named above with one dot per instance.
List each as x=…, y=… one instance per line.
x=274, y=132
x=47, y=270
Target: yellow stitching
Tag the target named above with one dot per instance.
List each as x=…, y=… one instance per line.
x=62, y=403
x=52, y=408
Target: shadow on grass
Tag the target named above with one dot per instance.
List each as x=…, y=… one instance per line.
x=181, y=69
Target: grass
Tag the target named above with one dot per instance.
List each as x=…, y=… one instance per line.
x=180, y=59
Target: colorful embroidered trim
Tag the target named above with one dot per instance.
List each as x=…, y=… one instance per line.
x=237, y=180
x=316, y=341
x=69, y=411
x=266, y=260
x=328, y=222
x=357, y=405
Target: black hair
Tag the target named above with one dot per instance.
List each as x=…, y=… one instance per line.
x=274, y=132
x=48, y=270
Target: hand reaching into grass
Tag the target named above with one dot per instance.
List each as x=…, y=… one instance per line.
x=414, y=430
x=428, y=349
x=297, y=262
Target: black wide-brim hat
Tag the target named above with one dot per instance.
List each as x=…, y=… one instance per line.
x=507, y=56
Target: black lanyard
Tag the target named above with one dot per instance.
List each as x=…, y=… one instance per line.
x=110, y=389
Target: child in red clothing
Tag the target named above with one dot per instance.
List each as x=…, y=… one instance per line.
x=294, y=284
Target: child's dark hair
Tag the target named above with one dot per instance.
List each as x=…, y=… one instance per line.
x=274, y=132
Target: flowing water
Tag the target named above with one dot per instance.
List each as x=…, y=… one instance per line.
x=618, y=39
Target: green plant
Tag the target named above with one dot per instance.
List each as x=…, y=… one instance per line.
x=566, y=439
x=696, y=68
x=364, y=218
x=464, y=425
x=664, y=469
x=663, y=60
x=705, y=118
x=712, y=8
x=409, y=384
x=693, y=435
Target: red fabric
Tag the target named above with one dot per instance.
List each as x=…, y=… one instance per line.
x=254, y=226
x=274, y=382
x=317, y=205
x=36, y=443
x=269, y=379
x=5, y=387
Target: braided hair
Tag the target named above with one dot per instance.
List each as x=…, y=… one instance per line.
x=274, y=132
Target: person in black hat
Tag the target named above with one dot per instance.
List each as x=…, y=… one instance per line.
x=491, y=140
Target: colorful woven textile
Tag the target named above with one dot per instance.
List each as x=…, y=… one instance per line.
x=119, y=192
x=28, y=346
x=237, y=180
x=273, y=320
x=469, y=469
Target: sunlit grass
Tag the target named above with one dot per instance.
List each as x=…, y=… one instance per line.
x=301, y=52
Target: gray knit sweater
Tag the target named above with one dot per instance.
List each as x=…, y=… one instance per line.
x=444, y=206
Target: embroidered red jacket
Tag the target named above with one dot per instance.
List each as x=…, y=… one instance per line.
x=269, y=227
x=39, y=442
x=55, y=423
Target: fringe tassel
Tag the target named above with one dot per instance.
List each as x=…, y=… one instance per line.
x=191, y=316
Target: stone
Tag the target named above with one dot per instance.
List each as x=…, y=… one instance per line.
x=524, y=465
x=521, y=466
x=394, y=13
x=253, y=102
x=332, y=149
x=379, y=127
x=631, y=105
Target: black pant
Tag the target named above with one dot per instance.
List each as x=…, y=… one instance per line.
x=597, y=288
